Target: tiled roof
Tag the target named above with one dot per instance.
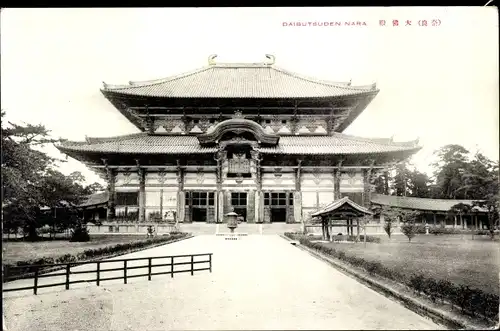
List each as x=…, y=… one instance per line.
x=95, y=199
x=142, y=143
x=339, y=203
x=443, y=205
x=338, y=143
x=139, y=143
x=246, y=80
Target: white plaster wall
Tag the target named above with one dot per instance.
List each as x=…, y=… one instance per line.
x=154, y=179
x=131, y=179
x=325, y=198
x=271, y=182
x=317, y=181
x=195, y=179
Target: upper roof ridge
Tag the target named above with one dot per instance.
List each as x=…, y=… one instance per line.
x=212, y=65
x=153, y=81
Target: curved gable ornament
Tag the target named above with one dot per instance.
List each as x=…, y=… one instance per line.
x=238, y=126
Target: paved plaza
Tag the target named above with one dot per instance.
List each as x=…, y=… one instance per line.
x=258, y=282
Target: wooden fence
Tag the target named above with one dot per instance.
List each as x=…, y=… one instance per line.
x=98, y=271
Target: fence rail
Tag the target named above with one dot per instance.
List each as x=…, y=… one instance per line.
x=98, y=271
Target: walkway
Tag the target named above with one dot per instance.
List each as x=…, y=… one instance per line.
x=258, y=282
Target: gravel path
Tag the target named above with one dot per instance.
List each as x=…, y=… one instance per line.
x=258, y=282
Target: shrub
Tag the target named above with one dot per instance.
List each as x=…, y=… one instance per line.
x=441, y=230
x=409, y=229
x=370, y=239
x=388, y=228
x=80, y=234
x=417, y=283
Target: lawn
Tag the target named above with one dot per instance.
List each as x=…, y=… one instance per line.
x=14, y=251
x=457, y=258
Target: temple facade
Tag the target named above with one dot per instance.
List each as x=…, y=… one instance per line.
x=252, y=138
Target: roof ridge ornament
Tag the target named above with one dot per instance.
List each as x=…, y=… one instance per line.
x=211, y=59
x=272, y=58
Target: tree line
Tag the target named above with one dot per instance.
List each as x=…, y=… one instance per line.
x=34, y=192
x=458, y=174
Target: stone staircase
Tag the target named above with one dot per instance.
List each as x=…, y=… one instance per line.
x=248, y=228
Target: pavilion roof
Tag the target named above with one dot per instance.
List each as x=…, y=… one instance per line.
x=144, y=143
x=239, y=80
x=342, y=207
x=95, y=199
x=425, y=204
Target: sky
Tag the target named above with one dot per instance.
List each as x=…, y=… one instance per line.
x=438, y=83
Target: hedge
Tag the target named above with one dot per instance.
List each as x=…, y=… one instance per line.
x=369, y=239
x=470, y=301
x=88, y=254
x=440, y=230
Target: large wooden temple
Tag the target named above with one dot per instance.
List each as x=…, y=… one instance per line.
x=252, y=138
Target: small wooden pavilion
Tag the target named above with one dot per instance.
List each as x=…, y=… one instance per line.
x=342, y=209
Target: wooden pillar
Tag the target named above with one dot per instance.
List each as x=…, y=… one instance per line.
x=142, y=195
x=435, y=221
x=367, y=187
x=111, y=177
x=475, y=222
x=357, y=229
x=258, y=198
x=219, y=204
x=297, y=196
x=327, y=228
x=323, y=234
x=330, y=230
x=336, y=183
x=181, y=198
x=386, y=182
x=455, y=221
x=161, y=204
x=364, y=233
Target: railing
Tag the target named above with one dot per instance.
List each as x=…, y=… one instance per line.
x=126, y=267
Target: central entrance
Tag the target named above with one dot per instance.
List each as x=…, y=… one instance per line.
x=239, y=204
x=278, y=215
x=279, y=206
x=199, y=214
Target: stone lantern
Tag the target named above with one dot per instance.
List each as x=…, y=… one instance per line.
x=232, y=221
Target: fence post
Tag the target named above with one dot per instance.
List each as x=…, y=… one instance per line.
x=125, y=272
x=172, y=267
x=67, y=276
x=98, y=280
x=192, y=265
x=149, y=267
x=210, y=262
x=35, y=286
